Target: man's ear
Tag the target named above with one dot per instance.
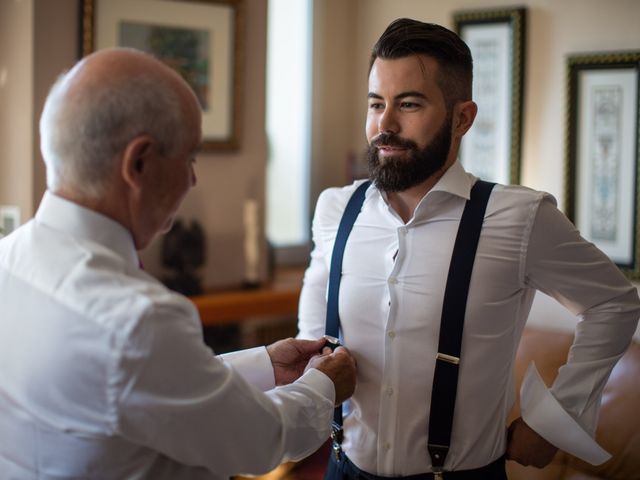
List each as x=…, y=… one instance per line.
x=135, y=159
x=464, y=115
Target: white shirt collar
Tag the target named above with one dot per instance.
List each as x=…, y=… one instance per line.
x=81, y=222
x=455, y=181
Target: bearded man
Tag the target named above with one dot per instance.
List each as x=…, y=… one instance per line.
x=435, y=348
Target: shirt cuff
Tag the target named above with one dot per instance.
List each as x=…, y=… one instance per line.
x=320, y=383
x=254, y=365
x=542, y=412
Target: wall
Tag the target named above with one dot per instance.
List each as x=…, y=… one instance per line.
x=16, y=104
x=54, y=23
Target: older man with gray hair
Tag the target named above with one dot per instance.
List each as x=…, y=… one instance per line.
x=104, y=371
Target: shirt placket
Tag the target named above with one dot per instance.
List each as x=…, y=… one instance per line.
x=390, y=379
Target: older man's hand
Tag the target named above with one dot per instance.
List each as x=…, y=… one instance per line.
x=340, y=367
x=290, y=357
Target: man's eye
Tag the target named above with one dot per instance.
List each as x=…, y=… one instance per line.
x=376, y=106
x=409, y=105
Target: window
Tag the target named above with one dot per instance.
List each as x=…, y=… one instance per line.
x=289, y=58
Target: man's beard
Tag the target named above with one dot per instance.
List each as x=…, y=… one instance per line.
x=413, y=166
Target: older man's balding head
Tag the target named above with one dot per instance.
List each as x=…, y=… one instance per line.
x=96, y=108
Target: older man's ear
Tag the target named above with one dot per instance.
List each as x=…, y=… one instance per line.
x=135, y=158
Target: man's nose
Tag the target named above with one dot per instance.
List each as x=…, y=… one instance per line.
x=388, y=122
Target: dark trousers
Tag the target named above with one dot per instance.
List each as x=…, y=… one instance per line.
x=346, y=470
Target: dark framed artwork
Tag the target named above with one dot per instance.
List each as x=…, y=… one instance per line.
x=496, y=37
x=603, y=153
x=201, y=39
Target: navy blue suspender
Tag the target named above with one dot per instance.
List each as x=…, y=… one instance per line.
x=445, y=380
x=332, y=328
x=351, y=212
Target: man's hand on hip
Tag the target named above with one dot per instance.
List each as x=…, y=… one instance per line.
x=526, y=447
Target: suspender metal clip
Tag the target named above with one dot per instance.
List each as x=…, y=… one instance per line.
x=337, y=435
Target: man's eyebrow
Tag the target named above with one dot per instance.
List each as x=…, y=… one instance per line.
x=400, y=96
x=410, y=93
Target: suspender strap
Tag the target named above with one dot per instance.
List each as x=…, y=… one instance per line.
x=351, y=212
x=445, y=380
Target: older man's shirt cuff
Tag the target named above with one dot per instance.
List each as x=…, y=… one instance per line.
x=544, y=414
x=320, y=382
x=254, y=364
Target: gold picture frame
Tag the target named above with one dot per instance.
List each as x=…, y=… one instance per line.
x=602, y=163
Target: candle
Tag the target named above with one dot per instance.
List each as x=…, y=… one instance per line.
x=251, y=242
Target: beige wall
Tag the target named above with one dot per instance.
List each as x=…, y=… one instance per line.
x=54, y=23
x=16, y=104
x=38, y=40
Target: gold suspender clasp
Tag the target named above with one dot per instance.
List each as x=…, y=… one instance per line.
x=448, y=358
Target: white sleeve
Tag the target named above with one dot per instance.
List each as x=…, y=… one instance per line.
x=254, y=364
x=565, y=266
x=173, y=396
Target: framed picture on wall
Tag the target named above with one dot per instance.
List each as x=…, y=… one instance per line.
x=201, y=39
x=602, y=158
x=496, y=37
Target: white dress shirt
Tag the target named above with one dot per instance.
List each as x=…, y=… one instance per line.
x=104, y=373
x=391, y=296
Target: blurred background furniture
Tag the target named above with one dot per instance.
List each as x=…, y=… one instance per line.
x=246, y=317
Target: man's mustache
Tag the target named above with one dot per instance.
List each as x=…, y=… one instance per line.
x=392, y=140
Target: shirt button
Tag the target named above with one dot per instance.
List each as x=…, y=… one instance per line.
x=393, y=280
x=389, y=391
x=402, y=230
x=387, y=446
x=392, y=334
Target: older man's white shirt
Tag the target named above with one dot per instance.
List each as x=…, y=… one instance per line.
x=104, y=373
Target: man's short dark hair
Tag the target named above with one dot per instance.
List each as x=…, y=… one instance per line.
x=405, y=37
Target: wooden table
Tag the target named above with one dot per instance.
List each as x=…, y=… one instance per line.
x=279, y=297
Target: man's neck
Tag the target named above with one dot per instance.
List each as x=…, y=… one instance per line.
x=106, y=204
